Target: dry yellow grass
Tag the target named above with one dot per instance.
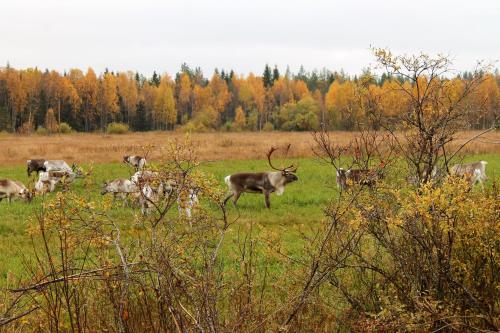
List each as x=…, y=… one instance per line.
x=98, y=148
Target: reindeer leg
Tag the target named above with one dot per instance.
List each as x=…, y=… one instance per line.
x=236, y=197
x=268, y=202
x=228, y=197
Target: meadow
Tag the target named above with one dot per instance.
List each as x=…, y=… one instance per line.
x=298, y=211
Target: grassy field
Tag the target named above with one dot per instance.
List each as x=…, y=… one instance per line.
x=298, y=210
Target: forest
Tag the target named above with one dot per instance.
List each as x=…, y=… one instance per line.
x=47, y=101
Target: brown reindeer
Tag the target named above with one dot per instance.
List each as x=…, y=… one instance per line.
x=261, y=182
x=346, y=178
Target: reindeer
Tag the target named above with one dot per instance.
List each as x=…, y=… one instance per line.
x=138, y=162
x=474, y=172
x=55, y=166
x=120, y=188
x=35, y=166
x=356, y=176
x=261, y=182
x=46, y=183
x=12, y=188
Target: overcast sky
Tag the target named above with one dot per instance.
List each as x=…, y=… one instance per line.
x=158, y=35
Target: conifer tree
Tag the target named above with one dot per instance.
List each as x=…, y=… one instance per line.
x=267, y=77
x=276, y=74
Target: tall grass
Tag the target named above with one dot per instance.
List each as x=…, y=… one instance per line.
x=99, y=148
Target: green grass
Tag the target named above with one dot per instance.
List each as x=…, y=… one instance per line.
x=298, y=209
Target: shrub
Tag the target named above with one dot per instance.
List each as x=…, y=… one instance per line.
x=227, y=127
x=199, y=124
x=430, y=256
x=41, y=131
x=65, y=128
x=117, y=128
x=268, y=127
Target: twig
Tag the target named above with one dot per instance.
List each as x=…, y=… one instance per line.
x=5, y=321
x=471, y=139
x=41, y=285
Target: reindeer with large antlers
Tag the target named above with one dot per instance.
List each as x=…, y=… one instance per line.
x=261, y=182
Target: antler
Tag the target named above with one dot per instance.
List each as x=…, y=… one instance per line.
x=269, y=153
x=288, y=168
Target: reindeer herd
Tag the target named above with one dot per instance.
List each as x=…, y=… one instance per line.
x=146, y=188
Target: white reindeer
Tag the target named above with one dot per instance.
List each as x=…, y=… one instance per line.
x=475, y=172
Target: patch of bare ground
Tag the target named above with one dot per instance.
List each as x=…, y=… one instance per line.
x=99, y=148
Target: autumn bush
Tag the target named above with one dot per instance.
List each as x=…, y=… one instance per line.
x=41, y=131
x=268, y=127
x=425, y=261
x=64, y=128
x=195, y=126
x=117, y=128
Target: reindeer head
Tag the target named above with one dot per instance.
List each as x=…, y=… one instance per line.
x=104, y=188
x=287, y=172
x=78, y=171
x=26, y=195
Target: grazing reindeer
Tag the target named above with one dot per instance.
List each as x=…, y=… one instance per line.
x=151, y=196
x=57, y=166
x=356, y=176
x=261, y=182
x=120, y=188
x=35, y=166
x=14, y=189
x=138, y=162
x=46, y=183
x=151, y=189
x=187, y=197
x=47, y=180
x=475, y=172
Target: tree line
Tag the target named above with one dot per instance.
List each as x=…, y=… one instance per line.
x=31, y=99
